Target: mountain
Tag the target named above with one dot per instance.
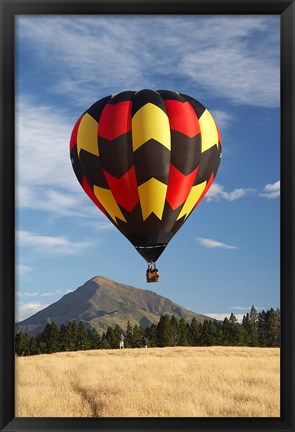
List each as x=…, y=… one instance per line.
x=102, y=302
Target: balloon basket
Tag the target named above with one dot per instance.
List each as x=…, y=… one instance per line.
x=152, y=274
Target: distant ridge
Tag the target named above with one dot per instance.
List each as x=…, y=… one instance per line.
x=103, y=303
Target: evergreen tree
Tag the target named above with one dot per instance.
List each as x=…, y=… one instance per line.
x=64, y=337
x=220, y=338
x=278, y=316
x=174, y=328
x=272, y=328
x=151, y=334
x=195, y=333
x=112, y=338
x=117, y=332
x=183, y=333
x=246, y=324
x=82, y=337
x=129, y=335
x=226, y=331
x=33, y=346
x=104, y=341
x=50, y=338
x=253, y=318
x=261, y=329
x=138, y=333
x=22, y=344
x=73, y=333
x=244, y=337
x=94, y=338
x=233, y=330
x=164, y=331
x=208, y=333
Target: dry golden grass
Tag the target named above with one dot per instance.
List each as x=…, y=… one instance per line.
x=160, y=382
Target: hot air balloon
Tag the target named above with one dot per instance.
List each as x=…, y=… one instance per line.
x=146, y=159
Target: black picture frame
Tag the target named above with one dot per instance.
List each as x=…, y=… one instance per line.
x=8, y=10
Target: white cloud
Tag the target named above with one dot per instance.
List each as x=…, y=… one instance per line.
x=222, y=118
x=27, y=294
x=217, y=192
x=57, y=203
x=23, y=269
x=232, y=57
x=229, y=63
x=221, y=316
x=272, y=190
x=51, y=244
x=38, y=293
x=28, y=309
x=44, y=176
x=42, y=143
x=246, y=308
x=213, y=244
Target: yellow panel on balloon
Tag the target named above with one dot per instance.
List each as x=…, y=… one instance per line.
x=150, y=122
x=87, y=135
x=209, y=133
x=194, y=195
x=107, y=200
x=152, y=196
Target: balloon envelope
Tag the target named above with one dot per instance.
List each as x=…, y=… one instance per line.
x=146, y=159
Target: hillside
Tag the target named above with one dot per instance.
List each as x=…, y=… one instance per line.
x=102, y=302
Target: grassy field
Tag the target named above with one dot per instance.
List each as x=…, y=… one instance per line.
x=160, y=382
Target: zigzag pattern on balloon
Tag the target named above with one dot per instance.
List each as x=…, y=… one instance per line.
x=146, y=159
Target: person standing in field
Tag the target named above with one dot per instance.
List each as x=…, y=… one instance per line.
x=121, y=342
x=144, y=342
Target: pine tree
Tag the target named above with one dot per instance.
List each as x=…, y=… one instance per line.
x=174, y=328
x=138, y=333
x=261, y=329
x=117, y=332
x=233, y=330
x=50, y=338
x=278, y=316
x=246, y=324
x=22, y=344
x=64, y=338
x=111, y=338
x=244, y=337
x=253, y=318
x=195, y=333
x=82, y=337
x=151, y=334
x=94, y=338
x=33, y=347
x=73, y=330
x=272, y=328
x=208, y=333
x=220, y=338
x=104, y=341
x=183, y=333
x=129, y=336
x=164, y=331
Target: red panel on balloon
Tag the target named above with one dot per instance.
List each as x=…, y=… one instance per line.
x=209, y=183
x=179, y=186
x=73, y=141
x=91, y=195
x=124, y=189
x=115, y=120
x=182, y=117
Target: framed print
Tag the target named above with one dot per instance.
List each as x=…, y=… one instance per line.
x=116, y=118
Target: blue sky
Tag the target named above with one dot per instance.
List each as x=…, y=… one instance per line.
x=226, y=257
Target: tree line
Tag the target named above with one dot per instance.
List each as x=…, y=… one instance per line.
x=257, y=330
